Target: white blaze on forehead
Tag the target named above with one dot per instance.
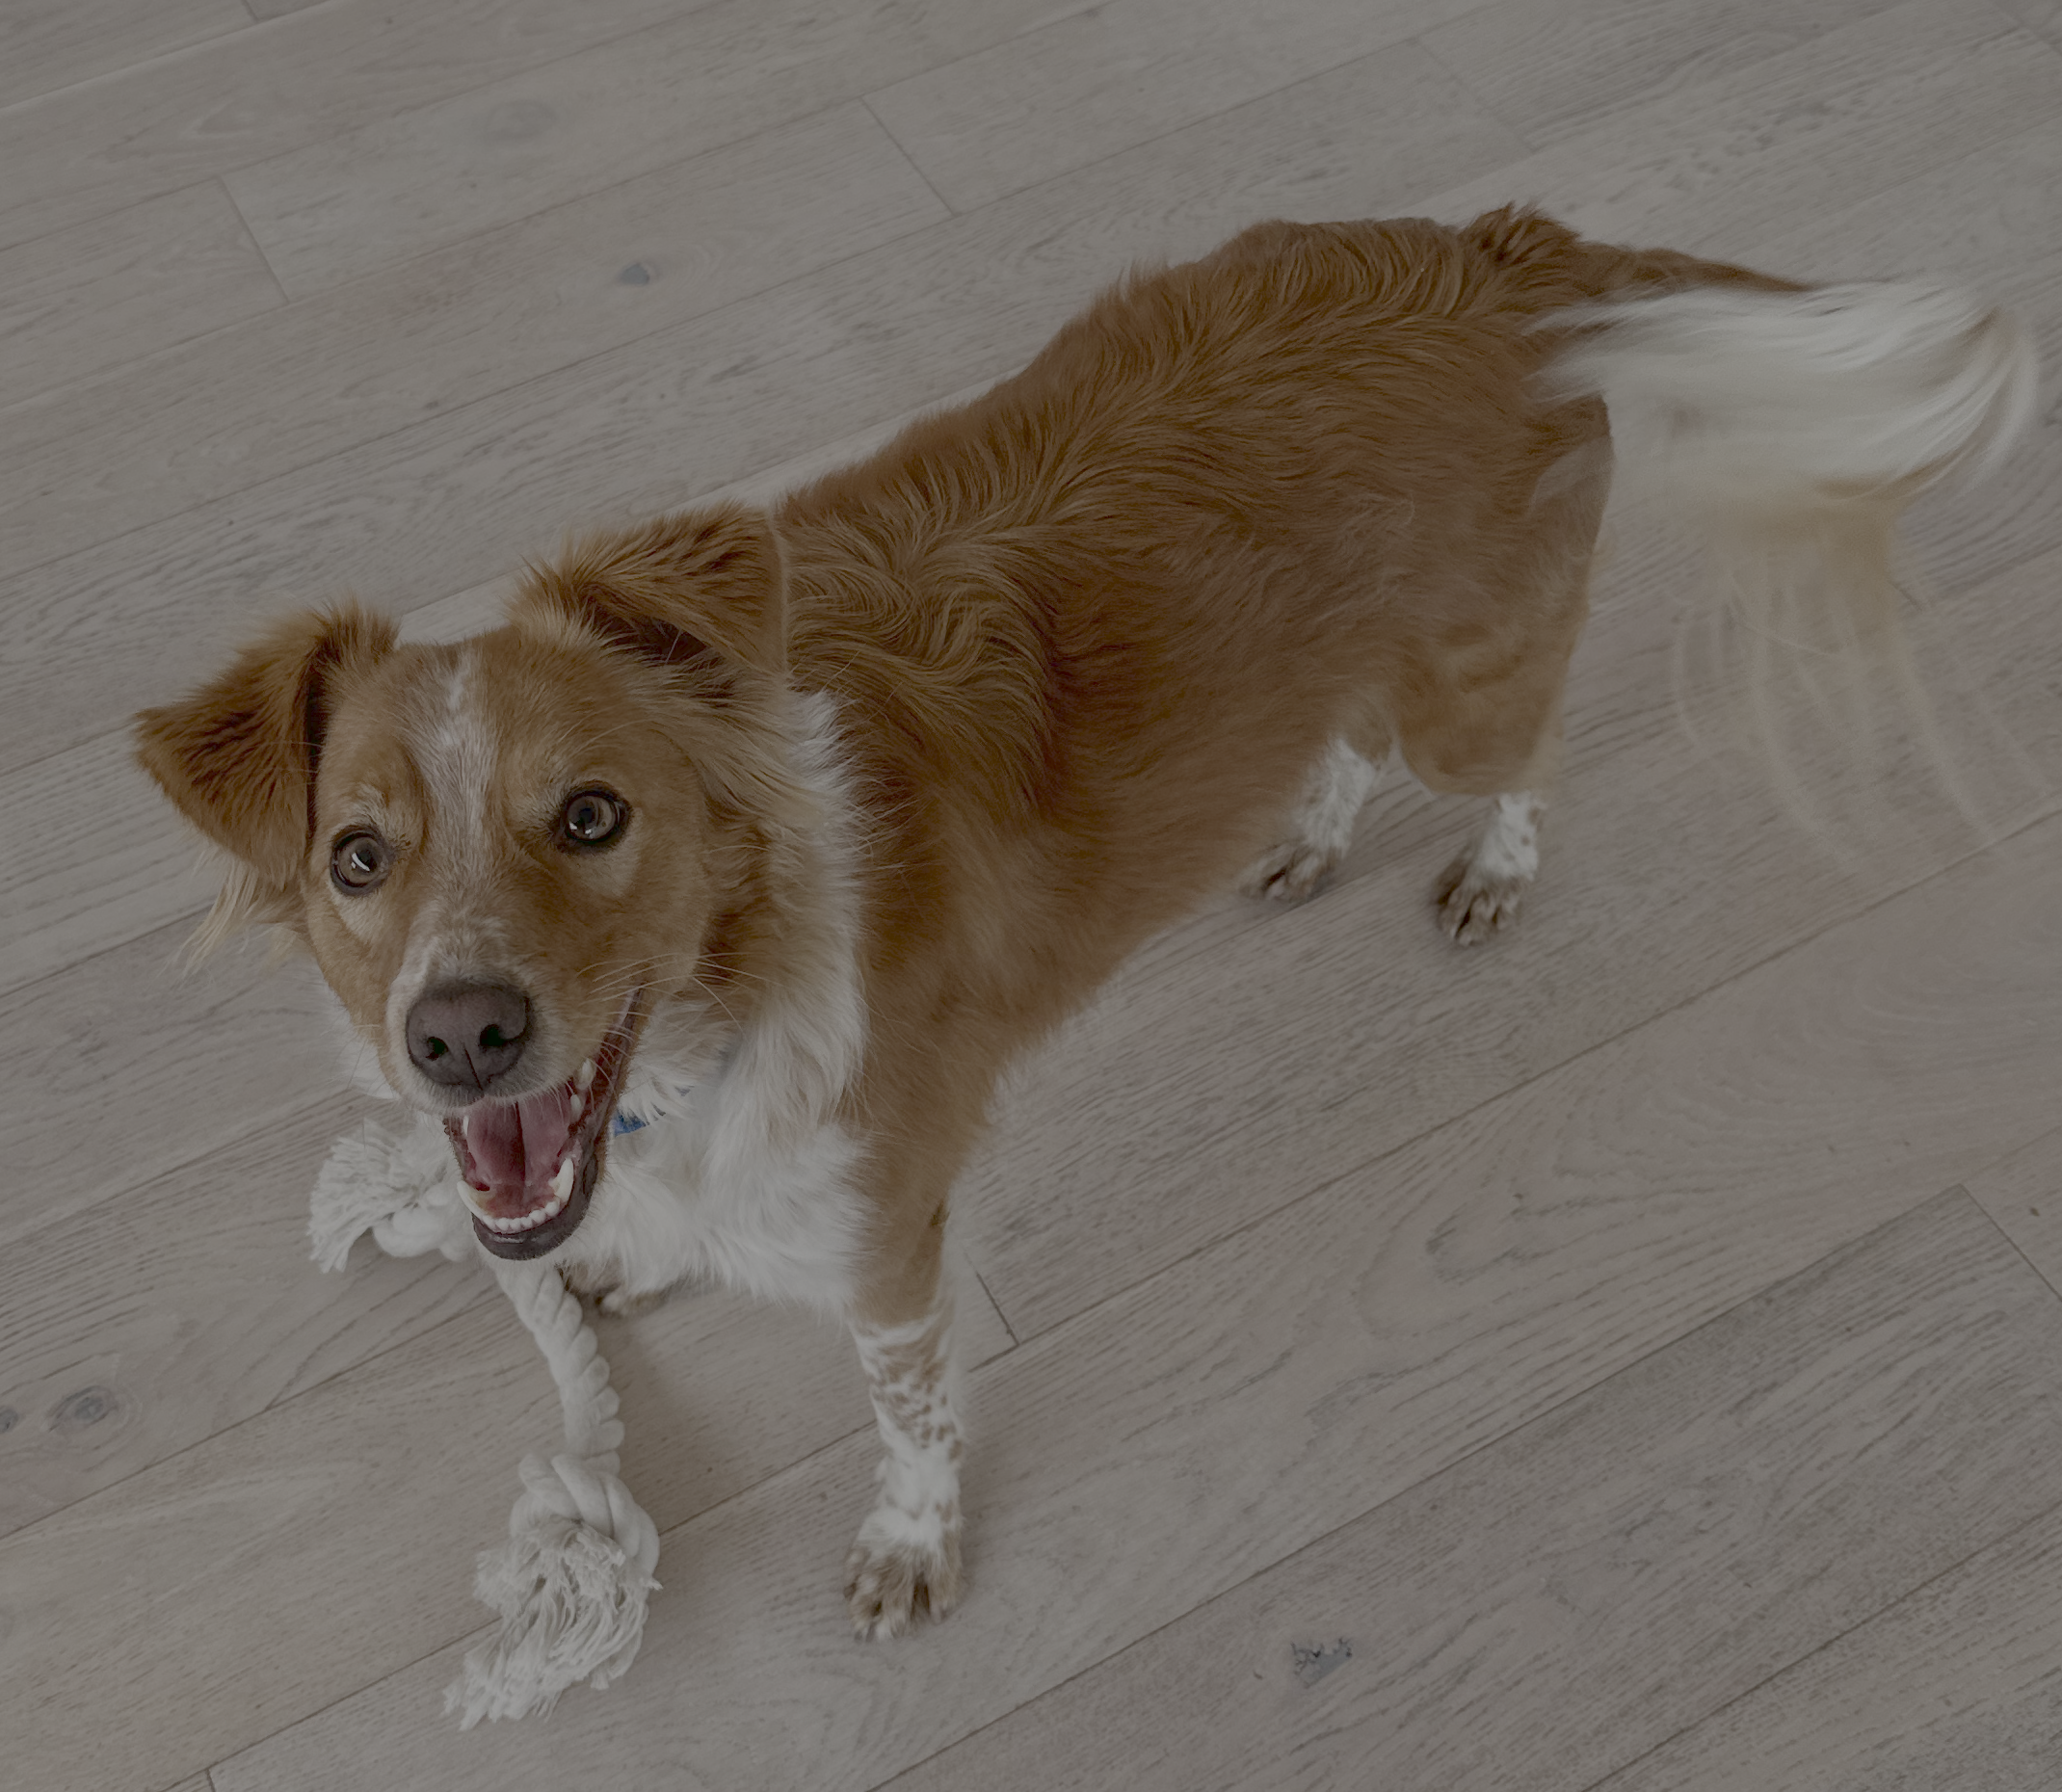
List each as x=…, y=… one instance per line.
x=452, y=741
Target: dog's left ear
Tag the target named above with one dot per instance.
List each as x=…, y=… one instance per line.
x=704, y=586
x=238, y=756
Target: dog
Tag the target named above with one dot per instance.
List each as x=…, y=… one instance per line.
x=756, y=844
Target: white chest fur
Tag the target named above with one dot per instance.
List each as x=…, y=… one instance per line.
x=712, y=1184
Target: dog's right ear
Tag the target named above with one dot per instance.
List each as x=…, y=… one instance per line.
x=238, y=756
x=704, y=589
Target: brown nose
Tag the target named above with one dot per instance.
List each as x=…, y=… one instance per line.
x=468, y=1034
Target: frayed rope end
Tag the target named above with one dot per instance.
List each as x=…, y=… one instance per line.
x=573, y=1606
x=397, y=1183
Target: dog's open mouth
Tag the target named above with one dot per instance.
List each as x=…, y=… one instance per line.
x=530, y=1167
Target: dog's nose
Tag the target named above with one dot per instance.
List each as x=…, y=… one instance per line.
x=468, y=1034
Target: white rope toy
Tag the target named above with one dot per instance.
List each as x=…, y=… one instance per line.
x=572, y=1580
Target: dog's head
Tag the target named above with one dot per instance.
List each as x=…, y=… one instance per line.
x=506, y=854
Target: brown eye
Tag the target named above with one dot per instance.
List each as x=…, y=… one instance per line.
x=592, y=818
x=358, y=861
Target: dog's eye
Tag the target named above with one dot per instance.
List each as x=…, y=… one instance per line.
x=592, y=818
x=360, y=860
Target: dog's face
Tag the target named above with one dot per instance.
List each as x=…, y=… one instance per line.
x=505, y=855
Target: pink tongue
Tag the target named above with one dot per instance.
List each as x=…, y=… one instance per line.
x=518, y=1145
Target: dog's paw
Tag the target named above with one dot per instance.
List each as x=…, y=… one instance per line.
x=1291, y=872
x=1474, y=903
x=898, y=1571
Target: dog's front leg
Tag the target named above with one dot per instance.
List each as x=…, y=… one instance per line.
x=905, y=1560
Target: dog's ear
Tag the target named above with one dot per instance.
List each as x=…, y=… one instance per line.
x=238, y=756
x=705, y=586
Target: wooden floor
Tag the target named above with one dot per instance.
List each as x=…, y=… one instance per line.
x=1625, y=1356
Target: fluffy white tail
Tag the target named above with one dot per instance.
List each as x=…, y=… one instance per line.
x=1794, y=427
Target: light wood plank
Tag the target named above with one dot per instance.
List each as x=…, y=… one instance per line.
x=2022, y=1193
x=1958, y=1686
x=148, y=1322
x=159, y=1067
x=114, y=862
x=79, y=302
x=405, y=184
x=1160, y=1449
x=1732, y=160
x=2042, y=16
x=1110, y=77
x=1578, y=1592
x=1548, y=71
x=438, y=507
x=261, y=1573
x=292, y=389
x=895, y=327
x=45, y=44
x=103, y=145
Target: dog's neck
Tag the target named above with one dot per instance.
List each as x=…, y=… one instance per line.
x=789, y=999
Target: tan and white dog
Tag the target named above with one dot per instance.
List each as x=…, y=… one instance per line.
x=780, y=834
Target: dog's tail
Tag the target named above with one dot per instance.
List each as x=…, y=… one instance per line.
x=1794, y=426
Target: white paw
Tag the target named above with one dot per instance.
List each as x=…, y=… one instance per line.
x=899, y=1569
x=1290, y=872
x=1474, y=903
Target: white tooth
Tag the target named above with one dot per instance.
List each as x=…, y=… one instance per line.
x=584, y=1077
x=579, y=1106
x=562, y=1182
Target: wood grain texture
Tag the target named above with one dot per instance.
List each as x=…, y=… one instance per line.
x=150, y=1322
x=1836, y=120
x=79, y=302
x=1579, y=1590
x=1550, y=71
x=1112, y=77
x=158, y=1067
x=114, y=862
x=173, y=121
x=438, y=507
x=251, y=1579
x=416, y=182
x=1960, y=1685
x=570, y=283
x=2022, y=1193
x=1163, y=1447
x=2042, y=16
x=45, y=44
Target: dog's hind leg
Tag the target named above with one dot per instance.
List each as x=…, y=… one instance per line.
x=1484, y=890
